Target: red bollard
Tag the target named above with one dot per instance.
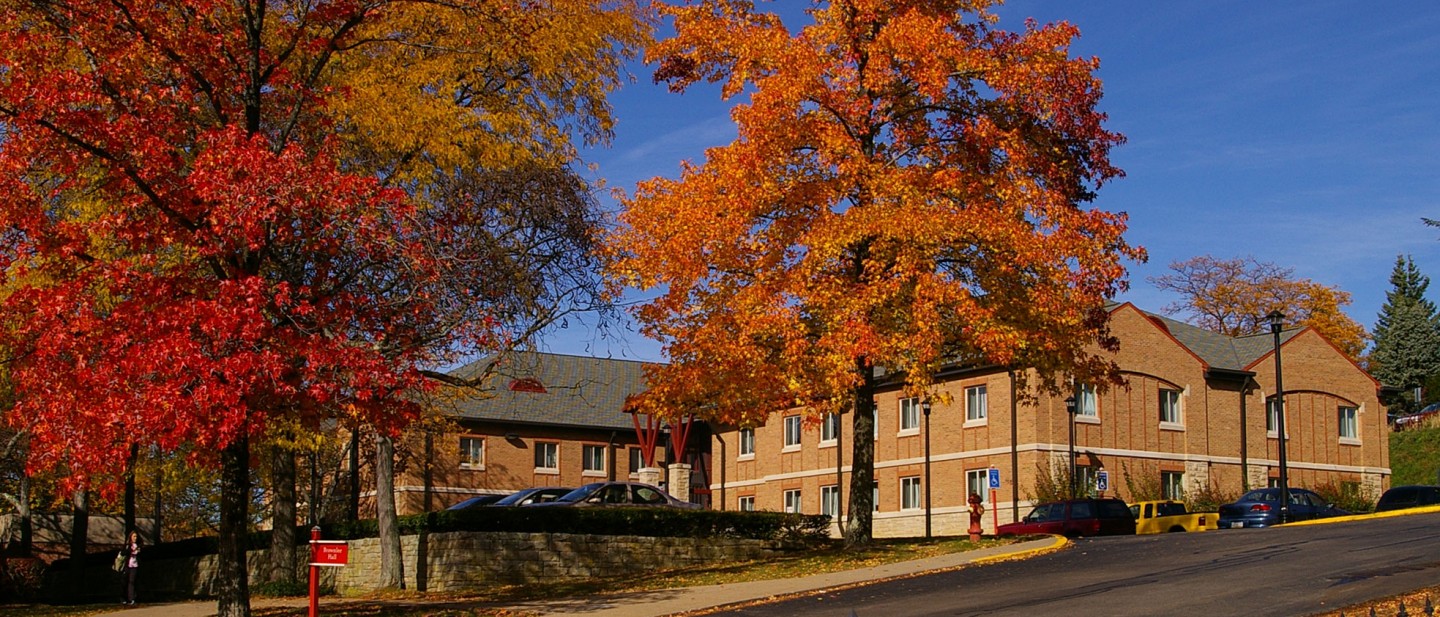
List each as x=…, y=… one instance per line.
x=314, y=573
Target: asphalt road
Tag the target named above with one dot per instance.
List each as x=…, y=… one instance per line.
x=1281, y=571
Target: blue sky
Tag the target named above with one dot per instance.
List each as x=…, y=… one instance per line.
x=1306, y=134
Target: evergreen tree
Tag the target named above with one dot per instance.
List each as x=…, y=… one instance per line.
x=1407, y=337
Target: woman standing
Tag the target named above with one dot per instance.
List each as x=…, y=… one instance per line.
x=132, y=565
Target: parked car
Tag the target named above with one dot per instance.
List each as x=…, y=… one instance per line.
x=479, y=500
x=1261, y=508
x=1410, y=496
x=1416, y=419
x=533, y=495
x=1168, y=515
x=1073, y=518
x=617, y=494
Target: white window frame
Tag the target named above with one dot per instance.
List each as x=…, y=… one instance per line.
x=830, y=501
x=792, y=433
x=1272, y=417
x=553, y=450
x=746, y=503
x=472, y=453
x=910, y=493
x=588, y=459
x=792, y=500
x=1172, y=485
x=1087, y=404
x=977, y=405
x=747, y=443
x=910, y=415
x=977, y=481
x=875, y=496
x=1171, y=408
x=830, y=429
x=1349, y=424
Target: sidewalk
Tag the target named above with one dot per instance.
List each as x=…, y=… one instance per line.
x=666, y=602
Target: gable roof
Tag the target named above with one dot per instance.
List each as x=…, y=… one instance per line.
x=553, y=389
x=1218, y=350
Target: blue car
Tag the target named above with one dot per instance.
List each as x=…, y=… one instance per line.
x=1261, y=508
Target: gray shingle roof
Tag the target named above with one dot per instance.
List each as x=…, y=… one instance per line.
x=578, y=391
x=1218, y=350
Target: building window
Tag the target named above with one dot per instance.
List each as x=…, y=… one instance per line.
x=1172, y=485
x=1087, y=405
x=1085, y=481
x=977, y=481
x=747, y=442
x=594, y=459
x=976, y=404
x=1349, y=423
x=909, y=414
x=1272, y=417
x=875, y=497
x=747, y=503
x=830, y=428
x=910, y=493
x=792, y=431
x=792, y=500
x=830, y=501
x=547, y=456
x=1169, y=406
x=472, y=453
x=637, y=460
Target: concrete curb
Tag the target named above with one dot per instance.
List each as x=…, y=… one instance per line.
x=1364, y=517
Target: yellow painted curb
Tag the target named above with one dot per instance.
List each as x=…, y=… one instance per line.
x=1059, y=543
x=1363, y=517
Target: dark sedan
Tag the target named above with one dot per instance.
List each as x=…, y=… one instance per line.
x=1074, y=518
x=478, y=501
x=617, y=494
x=533, y=495
x=1261, y=508
x=1410, y=496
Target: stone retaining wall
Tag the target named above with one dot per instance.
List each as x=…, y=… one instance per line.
x=442, y=562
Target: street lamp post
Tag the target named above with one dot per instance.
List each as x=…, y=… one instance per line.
x=925, y=408
x=1277, y=319
x=1070, y=411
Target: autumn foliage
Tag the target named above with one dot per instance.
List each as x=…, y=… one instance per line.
x=1233, y=297
x=906, y=191
x=215, y=213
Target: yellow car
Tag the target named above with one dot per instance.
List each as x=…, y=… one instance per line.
x=1166, y=515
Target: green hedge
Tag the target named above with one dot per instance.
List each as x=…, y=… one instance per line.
x=789, y=530
x=665, y=522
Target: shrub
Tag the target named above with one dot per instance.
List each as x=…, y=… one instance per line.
x=1346, y=496
x=1052, y=483
x=1209, y=498
x=21, y=578
x=1144, y=483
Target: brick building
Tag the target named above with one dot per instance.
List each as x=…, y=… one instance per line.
x=543, y=420
x=1192, y=416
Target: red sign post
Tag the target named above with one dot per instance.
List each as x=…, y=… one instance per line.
x=323, y=553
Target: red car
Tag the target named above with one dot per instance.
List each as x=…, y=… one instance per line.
x=1074, y=518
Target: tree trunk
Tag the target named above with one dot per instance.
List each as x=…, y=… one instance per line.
x=353, y=511
x=281, y=568
x=858, y=529
x=232, y=587
x=22, y=511
x=392, y=567
x=130, y=490
x=79, y=527
x=159, y=492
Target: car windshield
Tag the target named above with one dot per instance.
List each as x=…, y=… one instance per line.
x=1260, y=495
x=579, y=494
x=521, y=496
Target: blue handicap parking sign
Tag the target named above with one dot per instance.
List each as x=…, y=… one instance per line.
x=1102, y=481
x=994, y=478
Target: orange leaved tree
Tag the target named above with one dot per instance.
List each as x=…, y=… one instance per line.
x=904, y=193
x=1233, y=297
